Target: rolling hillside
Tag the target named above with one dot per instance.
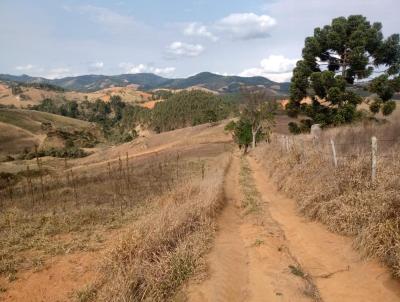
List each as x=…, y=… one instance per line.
x=32, y=95
x=147, y=81
x=21, y=129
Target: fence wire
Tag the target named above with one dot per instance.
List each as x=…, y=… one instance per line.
x=339, y=152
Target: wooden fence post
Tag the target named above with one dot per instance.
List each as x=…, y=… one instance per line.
x=334, y=153
x=374, y=151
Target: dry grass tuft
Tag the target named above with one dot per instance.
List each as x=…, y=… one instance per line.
x=345, y=199
x=166, y=247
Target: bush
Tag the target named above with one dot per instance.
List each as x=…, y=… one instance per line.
x=388, y=107
x=68, y=152
x=294, y=128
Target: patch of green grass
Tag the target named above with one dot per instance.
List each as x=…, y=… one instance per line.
x=258, y=242
x=297, y=271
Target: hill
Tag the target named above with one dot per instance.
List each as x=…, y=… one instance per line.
x=23, y=95
x=148, y=81
x=23, y=129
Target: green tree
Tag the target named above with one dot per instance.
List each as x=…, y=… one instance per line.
x=189, y=108
x=241, y=133
x=47, y=105
x=259, y=112
x=334, y=58
x=70, y=109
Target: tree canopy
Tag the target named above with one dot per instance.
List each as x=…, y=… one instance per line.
x=189, y=108
x=334, y=59
x=258, y=111
x=256, y=118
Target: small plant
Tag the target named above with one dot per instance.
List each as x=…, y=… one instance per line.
x=258, y=242
x=297, y=271
x=87, y=294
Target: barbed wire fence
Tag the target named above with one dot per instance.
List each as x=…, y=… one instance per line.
x=338, y=153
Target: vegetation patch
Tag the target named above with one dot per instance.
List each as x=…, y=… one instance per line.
x=345, y=198
x=166, y=247
x=251, y=196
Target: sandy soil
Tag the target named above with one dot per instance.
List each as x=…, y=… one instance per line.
x=227, y=261
x=239, y=268
x=252, y=255
x=336, y=268
x=57, y=282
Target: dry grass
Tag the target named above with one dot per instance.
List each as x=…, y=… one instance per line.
x=75, y=211
x=165, y=202
x=345, y=199
x=166, y=247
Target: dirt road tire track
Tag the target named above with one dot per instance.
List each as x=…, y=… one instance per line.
x=322, y=253
x=249, y=260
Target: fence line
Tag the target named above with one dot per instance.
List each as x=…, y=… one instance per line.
x=290, y=143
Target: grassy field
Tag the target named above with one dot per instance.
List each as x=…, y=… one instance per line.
x=21, y=129
x=60, y=209
x=31, y=120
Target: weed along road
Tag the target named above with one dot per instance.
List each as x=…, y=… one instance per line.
x=265, y=251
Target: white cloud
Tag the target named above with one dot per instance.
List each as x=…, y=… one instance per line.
x=59, y=72
x=276, y=67
x=199, y=30
x=164, y=71
x=103, y=15
x=30, y=68
x=96, y=66
x=246, y=26
x=180, y=49
x=27, y=67
x=143, y=68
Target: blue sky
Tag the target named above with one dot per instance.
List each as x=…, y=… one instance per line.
x=57, y=38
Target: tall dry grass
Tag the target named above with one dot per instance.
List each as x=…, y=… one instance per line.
x=166, y=247
x=75, y=210
x=345, y=199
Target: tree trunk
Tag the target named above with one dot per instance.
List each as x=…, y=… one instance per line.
x=254, y=139
x=344, y=63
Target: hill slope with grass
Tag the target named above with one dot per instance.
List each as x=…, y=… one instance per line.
x=21, y=129
x=23, y=95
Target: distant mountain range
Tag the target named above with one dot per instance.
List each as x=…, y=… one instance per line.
x=149, y=81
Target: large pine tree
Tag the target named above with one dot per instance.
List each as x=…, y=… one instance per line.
x=334, y=58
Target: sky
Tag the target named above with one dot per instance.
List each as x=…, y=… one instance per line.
x=171, y=38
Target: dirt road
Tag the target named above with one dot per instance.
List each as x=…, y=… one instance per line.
x=277, y=255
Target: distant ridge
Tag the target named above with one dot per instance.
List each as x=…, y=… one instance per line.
x=149, y=81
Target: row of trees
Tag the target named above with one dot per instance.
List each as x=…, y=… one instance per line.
x=118, y=119
x=190, y=108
